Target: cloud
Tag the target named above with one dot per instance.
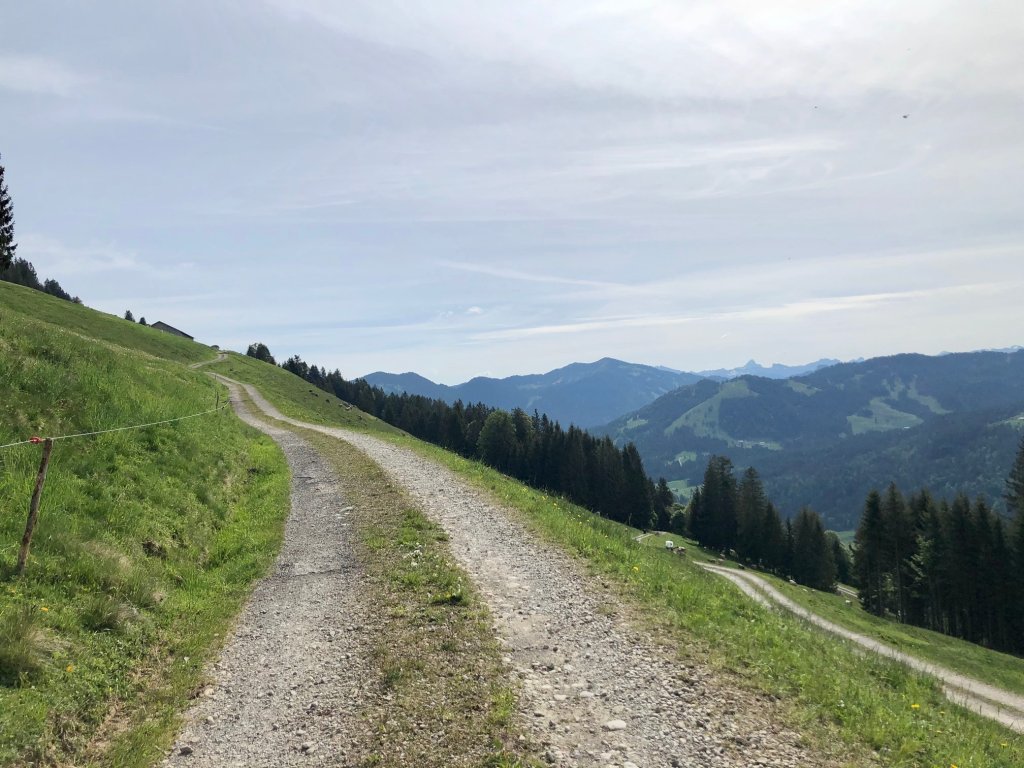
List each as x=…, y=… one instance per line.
x=61, y=259
x=38, y=75
x=788, y=311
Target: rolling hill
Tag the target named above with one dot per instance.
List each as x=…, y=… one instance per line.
x=948, y=423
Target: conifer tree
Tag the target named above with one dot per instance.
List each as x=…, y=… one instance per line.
x=7, y=244
x=129, y=316
x=1015, y=483
x=812, y=564
x=840, y=557
x=751, y=505
x=868, y=555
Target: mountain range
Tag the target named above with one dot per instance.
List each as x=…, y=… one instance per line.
x=949, y=423
x=585, y=394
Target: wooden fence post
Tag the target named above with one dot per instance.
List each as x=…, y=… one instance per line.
x=33, y=509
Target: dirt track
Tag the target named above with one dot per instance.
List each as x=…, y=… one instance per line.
x=596, y=692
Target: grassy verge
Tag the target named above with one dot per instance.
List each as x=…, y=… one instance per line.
x=448, y=701
x=862, y=709
x=147, y=544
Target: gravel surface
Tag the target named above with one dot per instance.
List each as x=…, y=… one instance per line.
x=596, y=691
x=292, y=682
x=995, y=703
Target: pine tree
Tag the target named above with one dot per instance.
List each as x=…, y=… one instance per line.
x=7, y=244
x=129, y=316
x=663, y=501
x=899, y=549
x=713, y=518
x=869, y=553
x=812, y=564
x=841, y=558
x=773, y=547
x=1015, y=484
x=751, y=505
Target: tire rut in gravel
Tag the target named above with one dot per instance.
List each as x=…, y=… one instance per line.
x=292, y=683
x=595, y=690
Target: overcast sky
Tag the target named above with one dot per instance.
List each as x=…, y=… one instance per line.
x=468, y=187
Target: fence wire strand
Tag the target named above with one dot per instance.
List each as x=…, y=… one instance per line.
x=115, y=429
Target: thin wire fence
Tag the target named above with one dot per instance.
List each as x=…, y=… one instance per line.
x=35, y=440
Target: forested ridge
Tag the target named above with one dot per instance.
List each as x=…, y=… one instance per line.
x=948, y=422
x=954, y=567
x=586, y=470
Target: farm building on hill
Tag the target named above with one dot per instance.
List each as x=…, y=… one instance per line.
x=162, y=326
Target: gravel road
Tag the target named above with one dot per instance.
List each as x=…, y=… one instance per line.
x=293, y=680
x=996, y=703
x=596, y=692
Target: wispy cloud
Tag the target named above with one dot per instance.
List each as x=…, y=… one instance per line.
x=527, y=277
x=788, y=311
x=62, y=259
x=38, y=75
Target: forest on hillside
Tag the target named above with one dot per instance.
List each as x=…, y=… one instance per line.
x=954, y=567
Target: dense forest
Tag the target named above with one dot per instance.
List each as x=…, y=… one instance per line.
x=587, y=470
x=728, y=515
x=954, y=567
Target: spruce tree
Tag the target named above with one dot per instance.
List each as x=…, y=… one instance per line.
x=7, y=244
x=1015, y=483
x=751, y=505
x=841, y=558
x=812, y=564
x=129, y=316
x=868, y=556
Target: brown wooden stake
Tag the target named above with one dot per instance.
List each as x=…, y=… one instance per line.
x=33, y=509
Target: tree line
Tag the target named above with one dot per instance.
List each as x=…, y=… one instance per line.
x=953, y=567
x=14, y=269
x=737, y=516
x=586, y=470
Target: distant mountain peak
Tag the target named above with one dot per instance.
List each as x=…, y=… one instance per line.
x=773, y=371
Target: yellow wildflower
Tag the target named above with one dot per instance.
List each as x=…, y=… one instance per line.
x=915, y=706
x=71, y=668
x=44, y=609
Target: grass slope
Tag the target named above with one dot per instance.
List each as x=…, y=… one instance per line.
x=861, y=709
x=147, y=542
x=99, y=326
x=295, y=397
x=999, y=669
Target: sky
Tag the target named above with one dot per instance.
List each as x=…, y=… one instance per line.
x=466, y=187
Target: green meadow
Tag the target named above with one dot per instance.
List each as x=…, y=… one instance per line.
x=147, y=542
